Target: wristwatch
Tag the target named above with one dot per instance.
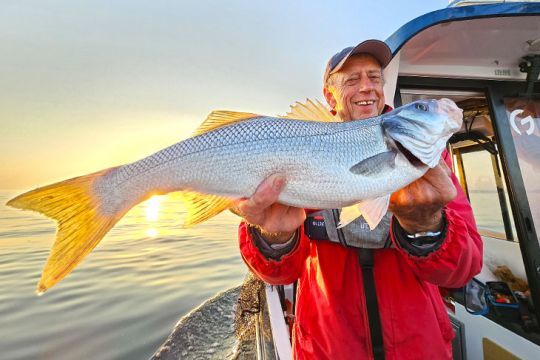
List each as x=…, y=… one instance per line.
x=428, y=234
x=427, y=237
x=421, y=243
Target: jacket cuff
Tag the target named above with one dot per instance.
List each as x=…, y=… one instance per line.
x=269, y=252
x=422, y=246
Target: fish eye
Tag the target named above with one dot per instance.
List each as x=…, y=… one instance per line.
x=421, y=107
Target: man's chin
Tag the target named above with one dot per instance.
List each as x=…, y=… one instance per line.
x=365, y=113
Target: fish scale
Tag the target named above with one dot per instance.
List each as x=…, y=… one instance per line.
x=280, y=146
x=264, y=128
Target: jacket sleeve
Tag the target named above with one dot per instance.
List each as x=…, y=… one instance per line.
x=276, y=272
x=459, y=257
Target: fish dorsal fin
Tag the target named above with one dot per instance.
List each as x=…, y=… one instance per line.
x=373, y=210
x=201, y=207
x=220, y=118
x=314, y=111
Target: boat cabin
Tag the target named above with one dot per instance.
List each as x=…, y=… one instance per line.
x=486, y=57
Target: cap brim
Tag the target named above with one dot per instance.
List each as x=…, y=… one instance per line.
x=376, y=48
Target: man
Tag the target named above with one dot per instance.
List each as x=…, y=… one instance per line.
x=357, y=302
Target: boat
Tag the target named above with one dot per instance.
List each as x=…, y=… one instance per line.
x=484, y=55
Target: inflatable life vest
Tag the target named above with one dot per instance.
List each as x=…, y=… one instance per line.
x=322, y=226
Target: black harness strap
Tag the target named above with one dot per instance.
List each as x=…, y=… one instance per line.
x=366, y=261
x=341, y=236
x=365, y=258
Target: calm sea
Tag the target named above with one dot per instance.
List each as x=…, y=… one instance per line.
x=123, y=300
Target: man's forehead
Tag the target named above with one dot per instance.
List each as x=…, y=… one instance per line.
x=362, y=71
x=361, y=62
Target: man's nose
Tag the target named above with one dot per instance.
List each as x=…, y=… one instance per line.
x=366, y=84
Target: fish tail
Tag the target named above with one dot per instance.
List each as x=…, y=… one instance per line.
x=75, y=205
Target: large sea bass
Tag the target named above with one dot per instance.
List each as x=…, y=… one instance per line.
x=327, y=164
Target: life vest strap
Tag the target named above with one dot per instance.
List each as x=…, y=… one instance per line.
x=366, y=260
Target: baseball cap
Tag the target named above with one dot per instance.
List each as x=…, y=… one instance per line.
x=377, y=48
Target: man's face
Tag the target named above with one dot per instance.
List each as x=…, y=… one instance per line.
x=356, y=90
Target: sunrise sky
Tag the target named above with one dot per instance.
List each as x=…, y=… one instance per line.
x=86, y=85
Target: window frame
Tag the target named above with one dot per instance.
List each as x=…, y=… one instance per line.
x=458, y=151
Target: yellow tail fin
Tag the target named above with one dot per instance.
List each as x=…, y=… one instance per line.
x=81, y=226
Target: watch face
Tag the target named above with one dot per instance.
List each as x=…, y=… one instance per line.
x=421, y=234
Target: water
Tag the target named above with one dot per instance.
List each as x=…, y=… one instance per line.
x=123, y=300
x=487, y=211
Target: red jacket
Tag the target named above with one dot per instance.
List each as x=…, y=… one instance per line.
x=331, y=317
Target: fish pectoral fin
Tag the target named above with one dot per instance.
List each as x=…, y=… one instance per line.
x=372, y=210
x=220, y=118
x=310, y=110
x=376, y=165
x=201, y=207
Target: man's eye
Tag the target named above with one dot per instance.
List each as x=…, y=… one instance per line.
x=375, y=78
x=352, y=81
x=421, y=107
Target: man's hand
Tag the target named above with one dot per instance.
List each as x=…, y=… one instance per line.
x=418, y=206
x=276, y=222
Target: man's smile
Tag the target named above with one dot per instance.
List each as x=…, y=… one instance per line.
x=364, y=102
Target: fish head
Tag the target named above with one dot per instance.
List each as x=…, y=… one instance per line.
x=423, y=127
x=430, y=113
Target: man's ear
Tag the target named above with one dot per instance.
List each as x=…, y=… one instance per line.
x=329, y=96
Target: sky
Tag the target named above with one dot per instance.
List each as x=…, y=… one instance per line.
x=86, y=85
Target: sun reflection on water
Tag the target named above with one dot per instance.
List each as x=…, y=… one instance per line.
x=153, y=206
x=151, y=232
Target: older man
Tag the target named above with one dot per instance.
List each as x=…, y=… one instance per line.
x=364, y=293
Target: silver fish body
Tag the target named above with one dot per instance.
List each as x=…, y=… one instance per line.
x=317, y=158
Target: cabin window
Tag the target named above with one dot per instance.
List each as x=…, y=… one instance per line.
x=524, y=118
x=476, y=161
x=480, y=176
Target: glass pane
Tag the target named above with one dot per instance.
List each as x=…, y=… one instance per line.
x=483, y=193
x=524, y=118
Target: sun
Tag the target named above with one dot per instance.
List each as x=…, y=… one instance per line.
x=152, y=208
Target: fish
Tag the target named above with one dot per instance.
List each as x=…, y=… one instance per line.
x=327, y=164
